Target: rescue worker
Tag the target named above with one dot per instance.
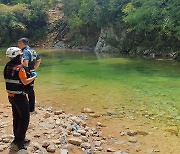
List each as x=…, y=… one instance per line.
x=16, y=81
x=31, y=60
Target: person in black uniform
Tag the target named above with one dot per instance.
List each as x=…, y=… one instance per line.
x=16, y=85
x=31, y=60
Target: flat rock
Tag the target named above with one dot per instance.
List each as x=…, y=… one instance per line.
x=22, y=152
x=63, y=151
x=150, y=151
x=93, y=115
x=45, y=144
x=47, y=115
x=82, y=132
x=85, y=145
x=58, y=122
x=58, y=112
x=75, y=141
x=2, y=148
x=123, y=133
x=56, y=142
x=51, y=148
x=99, y=148
x=68, y=146
x=76, y=120
x=138, y=148
x=121, y=142
x=100, y=124
x=46, y=125
x=84, y=138
x=132, y=133
x=97, y=143
x=76, y=134
x=87, y=110
x=7, y=138
x=132, y=139
x=110, y=150
x=36, y=146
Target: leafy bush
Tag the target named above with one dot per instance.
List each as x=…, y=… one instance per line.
x=23, y=18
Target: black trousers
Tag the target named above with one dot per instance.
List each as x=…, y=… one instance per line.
x=21, y=116
x=31, y=98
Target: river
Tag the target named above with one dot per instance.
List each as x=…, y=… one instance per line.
x=113, y=85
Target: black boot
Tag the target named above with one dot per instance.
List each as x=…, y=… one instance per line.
x=16, y=146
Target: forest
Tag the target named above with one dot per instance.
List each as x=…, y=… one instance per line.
x=138, y=24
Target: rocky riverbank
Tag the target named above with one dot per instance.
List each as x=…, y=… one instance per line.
x=55, y=131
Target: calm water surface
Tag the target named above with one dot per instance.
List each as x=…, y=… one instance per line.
x=112, y=83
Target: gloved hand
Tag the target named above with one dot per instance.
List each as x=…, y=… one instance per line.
x=34, y=74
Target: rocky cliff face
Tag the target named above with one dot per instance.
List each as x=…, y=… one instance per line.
x=107, y=33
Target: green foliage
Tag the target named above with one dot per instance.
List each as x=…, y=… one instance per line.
x=23, y=18
x=150, y=24
x=11, y=26
x=156, y=21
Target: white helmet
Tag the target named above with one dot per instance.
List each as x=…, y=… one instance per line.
x=13, y=52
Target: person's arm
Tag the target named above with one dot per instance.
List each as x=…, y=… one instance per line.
x=25, y=63
x=26, y=81
x=37, y=64
x=23, y=77
x=26, y=58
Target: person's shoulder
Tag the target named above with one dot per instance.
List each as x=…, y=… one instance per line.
x=19, y=67
x=25, y=51
x=29, y=48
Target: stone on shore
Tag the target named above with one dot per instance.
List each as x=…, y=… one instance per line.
x=47, y=115
x=123, y=133
x=45, y=144
x=22, y=152
x=36, y=146
x=63, y=151
x=93, y=115
x=132, y=139
x=110, y=150
x=58, y=112
x=76, y=120
x=87, y=110
x=132, y=133
x=85, y=145
x=100, y=124
x=97, y=143
x=75, y=141
x=58, y=122
x=82, y=132
x=51, y=148
x=84, y=138
x=2, y=148
x=76, y=134
x=46, y=125
x=7, y=138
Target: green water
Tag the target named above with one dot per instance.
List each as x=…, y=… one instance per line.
x=113, y=83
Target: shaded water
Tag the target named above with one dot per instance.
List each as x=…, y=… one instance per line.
x=116, y=84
